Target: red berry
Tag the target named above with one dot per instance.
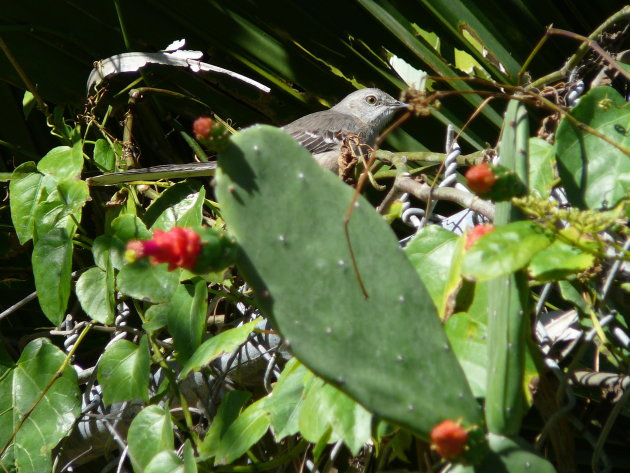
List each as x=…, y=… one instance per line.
x=202, y=127
x=448, y=439
x=480, y=178
x=477, y=232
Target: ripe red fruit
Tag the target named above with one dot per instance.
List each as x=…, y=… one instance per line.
x=480, y=179
x=179, y=247
x=448, y=439
x=477, y=232
x=202, y=127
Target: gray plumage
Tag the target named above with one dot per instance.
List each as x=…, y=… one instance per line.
x=363, y=112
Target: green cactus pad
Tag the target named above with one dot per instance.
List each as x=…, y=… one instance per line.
x=389, y=350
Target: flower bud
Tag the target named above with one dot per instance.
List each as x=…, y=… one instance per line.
x=449, y=439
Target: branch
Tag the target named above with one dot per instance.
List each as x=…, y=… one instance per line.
x=425, y=193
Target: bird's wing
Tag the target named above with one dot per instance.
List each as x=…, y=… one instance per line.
x=322, y=131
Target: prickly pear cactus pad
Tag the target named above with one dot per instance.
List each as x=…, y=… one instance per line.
x=388, y=351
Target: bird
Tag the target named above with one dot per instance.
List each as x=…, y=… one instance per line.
x=363, y=114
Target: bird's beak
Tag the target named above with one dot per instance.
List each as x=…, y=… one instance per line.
x=398, y=104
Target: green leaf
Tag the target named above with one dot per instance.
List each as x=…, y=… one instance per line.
x=541, y=167
x=124, y=228
x=468, y=333
x=180, y=205
x=62, y=162
x=68, y=199
x=228, y=411
x=243, y=433
x=150, y=433
x=187, y=317
x=104, y=155
x=145, y=281
x=190, y=463
x=505, y=250
x=398, y=27
x=278, y=243
x=52, y=416
x=95, y=291
x=129, y=227
x=123, y=371
x=225, y=342
x=508, y=455
x=26, y=188
x=156, y=317
x=559, y=261
x=285, y=402
x=594, y=173
x=107, y=249
x=572, y=294
x=28, y=103
x=350, y=421
x=431, y=251
x=489, y=37
x=312, y=421
x=508, y=293
x=52, y=269
x=166, y=461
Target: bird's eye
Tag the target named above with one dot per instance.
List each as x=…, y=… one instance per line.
x=371, y=99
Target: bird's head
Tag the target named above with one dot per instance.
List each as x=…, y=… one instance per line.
x=371, y=106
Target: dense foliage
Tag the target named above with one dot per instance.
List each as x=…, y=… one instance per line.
x=266, y=318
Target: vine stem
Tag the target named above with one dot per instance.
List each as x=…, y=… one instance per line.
x=52, y=381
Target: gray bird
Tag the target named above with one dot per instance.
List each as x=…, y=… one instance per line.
x=362, y=113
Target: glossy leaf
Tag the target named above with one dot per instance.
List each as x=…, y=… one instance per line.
x=62, y=162
x=350, y=421
x=285, y=402
x=95, y=291
x=123, y=371
x=541, y=167
x=156, y=316
x=166, y=461
x=243, y=433
x=559, y=261
x=186, y=317
x=104, y=155
x=179, y=205
x=432, y=251
x=227, y=413
x=506, y=249
x=312, y=421
x=594, y=173
x=225, y=342
x=468, y=333
x=128, y=227
x=52, y=268
x=52, y=416
x=62, y=208
x=112, y=246
x=145, y=281
x=150, y=433
x=26, y=189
